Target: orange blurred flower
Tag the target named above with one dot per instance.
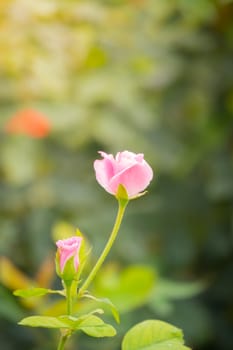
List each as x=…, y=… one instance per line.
x=28, y=122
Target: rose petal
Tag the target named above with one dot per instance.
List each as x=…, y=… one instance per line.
x=104, y=172
x=135, y=179
x=67, y=249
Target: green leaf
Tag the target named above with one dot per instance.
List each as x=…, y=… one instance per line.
x=107, y=302
x=95, y=327
x=89, y=324
x=44, y=321
x=35, y=292
x=74, y=322
x=154, y=335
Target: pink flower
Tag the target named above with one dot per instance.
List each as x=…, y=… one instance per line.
x=127, y=168
x=68, y=248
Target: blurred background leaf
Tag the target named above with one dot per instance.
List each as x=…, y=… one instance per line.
x=148, y=76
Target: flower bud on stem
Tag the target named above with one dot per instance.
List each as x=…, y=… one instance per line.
x=67, y=266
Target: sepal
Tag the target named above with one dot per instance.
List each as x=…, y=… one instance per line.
x=69, y=272
x=122, y=195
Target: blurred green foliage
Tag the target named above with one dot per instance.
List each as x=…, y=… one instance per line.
x=144, y=75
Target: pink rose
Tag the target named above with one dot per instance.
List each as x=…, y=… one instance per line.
x=68, y=248
x=127, y=168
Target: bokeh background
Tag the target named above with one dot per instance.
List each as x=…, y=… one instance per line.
x=148, y=76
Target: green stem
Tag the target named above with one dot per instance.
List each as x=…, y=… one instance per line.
x=121, y=209
x=71, y=291
x=62, y=342
x=71, y=288
x=69, y=300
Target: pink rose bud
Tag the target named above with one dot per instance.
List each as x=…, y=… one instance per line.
x=127, y=169
x=68, y=257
